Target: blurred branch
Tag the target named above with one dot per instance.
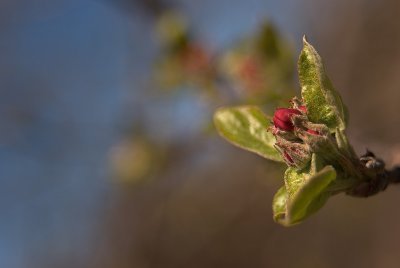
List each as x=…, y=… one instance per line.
x=394, y=175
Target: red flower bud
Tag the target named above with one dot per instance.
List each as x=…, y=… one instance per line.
x=303, y=109
x=293, y=153
x=282, y=118
x=312, y=132
x=288, y=158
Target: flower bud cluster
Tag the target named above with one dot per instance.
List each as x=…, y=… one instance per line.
x=296, y=137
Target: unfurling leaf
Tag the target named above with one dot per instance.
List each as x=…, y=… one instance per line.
x=246, y=127
x=310, y=137
x=323, y=102
x=304, y=193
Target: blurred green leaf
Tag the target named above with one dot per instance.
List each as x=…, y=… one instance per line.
x=172, y=29
x=324, y=104
x=267, y=41
x=246, y=127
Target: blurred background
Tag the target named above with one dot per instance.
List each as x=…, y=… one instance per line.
x=108, y=156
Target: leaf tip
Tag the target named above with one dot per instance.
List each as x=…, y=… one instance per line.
x=305, y=41
x=307, y=46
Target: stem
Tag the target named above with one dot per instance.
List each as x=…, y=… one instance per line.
x=394, y=175
x=375, y=178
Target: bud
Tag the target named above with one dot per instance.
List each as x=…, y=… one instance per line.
x=313, y=132
x=283, y=118
x=298, y=104
x=303, y=109
x=294, y=154
x=297, y=138
x=315, y=135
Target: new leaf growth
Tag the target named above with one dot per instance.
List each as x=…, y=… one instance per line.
x=309, y=136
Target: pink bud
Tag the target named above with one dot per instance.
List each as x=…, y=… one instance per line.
x=313, y=132
x=303, y=109
x=288, y=158
x=282, y=118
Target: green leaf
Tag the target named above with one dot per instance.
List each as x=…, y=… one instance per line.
x=302, y=195
x=324, y=104
x=279, y=205
x=344, y=145
x=310, y=196
x=246, y=127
